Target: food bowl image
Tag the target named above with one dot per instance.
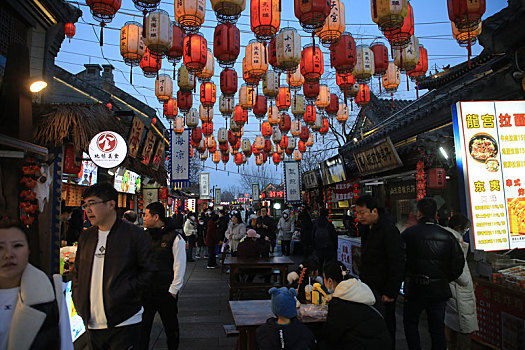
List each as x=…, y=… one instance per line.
x=482, y=147
x=492, y=165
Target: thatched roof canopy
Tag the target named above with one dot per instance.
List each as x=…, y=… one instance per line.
x=57, y=124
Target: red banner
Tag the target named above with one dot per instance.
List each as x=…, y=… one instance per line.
x=135, y=136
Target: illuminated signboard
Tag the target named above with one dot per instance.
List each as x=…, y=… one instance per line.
x=126, y=181
x=490, y=152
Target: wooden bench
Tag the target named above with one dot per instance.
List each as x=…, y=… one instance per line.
x=230, y=330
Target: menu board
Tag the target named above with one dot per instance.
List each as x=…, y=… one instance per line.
x=126, y=181
x=490, y=152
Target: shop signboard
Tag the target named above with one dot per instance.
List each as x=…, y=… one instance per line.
x=158, y=158
x=292, y=182
x=75, y=321
x=204, y=185
x=135, y=136
x=402, y=190
x=380, y=157
x=333, y=170
x=88, y=172
x=126, y=181
x=490, y=154
x=179, y=165
x=217, y=197
x=150, y=195
x=310, y=179
x=147, y=151
x=107, y=149
x=255, y=192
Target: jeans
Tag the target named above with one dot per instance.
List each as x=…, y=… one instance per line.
x=191, y=245
x=116, y=338
x=436, y=322
x=285, y=247
x=166, y=305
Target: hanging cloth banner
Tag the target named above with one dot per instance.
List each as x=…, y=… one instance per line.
x=204, y=185
x=147, y=151
x=158, y=158
x=135, y=136
x=179, y=165
x=217, y=199
x=255, y=192
x=292, y=182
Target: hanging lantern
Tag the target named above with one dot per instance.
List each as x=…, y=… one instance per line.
x=311, y=13
x=298, y=106
x=283, y=99
x=421, y=67
x=334, y=24
x=226, y=44
x=273, y=115
x=247, y=76
x=343, y=54
x=311, y=140
x=178, y=125
x=318, y=124
x=196, y=136
x=288, y=49
x=247, y=96
x=354, y=90
x=132, y=47
x=289, y=151
x=256, y=58
x=364, y=67
x=259, y=142
x=363, y=97
x=268, y=147
x=163, y=87
x=265, y=18
x=226, y=105
x=192, y=119
x=211, y=144
x=295, y=128
x=312, y=63
x=207, y=128
x=333, y=106
x=246, y=147
x=209, y=69
x=325, y=127
x=185, y=79
x=205, y=114
x=175, y=52
x=225, y=157
x=259, y=159
x=342, y=113
x=380, y=58
x=103, y=11
x=203, y=155
x=261, y=107
x=276, y=158
x=266, y=130
x=272, y=55
x=170, y=109
x=184, y=100
x=311, y=90
x=305, y=133
x=467, y=38
x=201, y=147
x=278, y=149
x=150, y=64
x=297, y=155
x=392, y=78
x=270, y=82
x=190, y=14
x=255, y=150
x=400, y=37
x=345, y=82
x=292, y=143
x=216, y=157
x=158, y=33
x=69, y=30
x=234, y=127
x=310, y=115
x=208, y=94
x=323, y=99
x=301, y=146
x=466, y=14
x=222, y=135
x=406, y=59
x=277, y=136
x=195, y=52
x=240, y=115
x=389, y=14
x=285, y=123
x=295, y=80
x=284, y=142
x=228, y=11
x=228, y=79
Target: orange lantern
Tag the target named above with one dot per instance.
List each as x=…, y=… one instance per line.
x=240, y=115
x=389, y=14
x=190, y=14
x=150, y=64
x=286, y=123
x=69, y=30
x=184, y=100
x=297, y=155
x=466, y=39
x=211, y=144
x=256, y=58
x=283, y=99
x=310, y=114
x=391, y=78
x=273, y=115
x=228, y=80
x=276, y=158
x=170, y=109
x=400, y=37
x=266, y=130
x=238, y=159
x=216, y=157
x=226, y=44
x=326, y=126
x=342, y=113
x=175, y=52
x=284, y=142
x=301, y=146
x=345, y=82
x=466, y=14
x=178, y=125
x=334, y=24
x=259, y=159
x=312, y=63
x=195, y=52
x=261, y=107
x=311, y=140
x=363, y=96
x=163, y=87
x=259, y=142
x=250, y=78
x=207, y=128
x=208, y=94
x=265, y=18
x=311, y=13
x=132, y=46
x=295, y=80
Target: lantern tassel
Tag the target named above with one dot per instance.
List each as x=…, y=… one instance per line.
x=102, y=25
x=417, y=90
x=469, y=50
x=392, y=95
x=131, y=75
x=144, y=23
x=408, y=86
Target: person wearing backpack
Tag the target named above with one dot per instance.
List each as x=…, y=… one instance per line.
x=324, y=238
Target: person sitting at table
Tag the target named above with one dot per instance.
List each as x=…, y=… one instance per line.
x=311, y=276
x=251, y=246
x=352, y=322
x=284, y=331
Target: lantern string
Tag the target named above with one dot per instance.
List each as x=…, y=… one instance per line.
x=102, y=24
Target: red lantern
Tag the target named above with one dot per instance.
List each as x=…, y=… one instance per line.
x=311, y=13
x=196, y=136
x=284, y=142
x=312, y=63
x=345, y=82
x=109, y=105
x=175, y=53
x=326, y=126
x=103, y=11
x=289, y=151
x=261, y=106
x=69, y=30
x=276, y=157
x=285, y=123
x=225, y=157
x=437, y=179
x=207, y=128
x=311, y=90
x=240, y=115
x=466, y=14
x=265, y=18
x=184, y=100
x=208, y=94
x=71, y=164
x=255, y=150
x=150, y=64
x=170, y=108
x=301, y=146
x=380, y=58
x=235, y=148
x=226, y=44
x=272, y=55
x=421, y=67
x=195, y=52
x=399, y=38
x=223, y=147
x=238, y=159
x=232, y=138
x=266, y=130
x=267, y=146
x=305, y=133
x=228, y=80
x=343, y=54
x=310, y=114
x=363, y=96
x=333, y=107
x=283, y=99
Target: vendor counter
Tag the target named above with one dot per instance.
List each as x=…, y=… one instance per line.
x=349, y=253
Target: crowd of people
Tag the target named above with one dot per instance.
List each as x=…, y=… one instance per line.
x=124, y=274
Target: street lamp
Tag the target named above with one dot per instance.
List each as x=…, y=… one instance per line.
x=37, y=85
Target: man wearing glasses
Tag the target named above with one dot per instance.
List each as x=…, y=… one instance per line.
x=112, y=266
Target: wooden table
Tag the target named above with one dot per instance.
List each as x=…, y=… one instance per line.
x=236, y=265
x=250, y=314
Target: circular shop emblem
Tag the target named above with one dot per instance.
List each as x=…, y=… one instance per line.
x=107, y=149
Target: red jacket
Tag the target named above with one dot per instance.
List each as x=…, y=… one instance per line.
x=212, y=234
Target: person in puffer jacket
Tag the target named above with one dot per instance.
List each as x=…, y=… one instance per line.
x=284, y=331
x=352, y=322
x=286, y=228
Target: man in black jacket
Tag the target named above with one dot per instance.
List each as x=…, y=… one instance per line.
x=266, y=227
x=434, y=258
x=305, y=223
x=382, y=261
x=112, y=267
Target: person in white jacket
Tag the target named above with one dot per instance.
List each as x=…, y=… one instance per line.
x=190, y=230
x=286, y=228
x=235, y=232
x=460, y=314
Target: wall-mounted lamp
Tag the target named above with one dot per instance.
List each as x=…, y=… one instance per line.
x=443, y=152
x=37, y=85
